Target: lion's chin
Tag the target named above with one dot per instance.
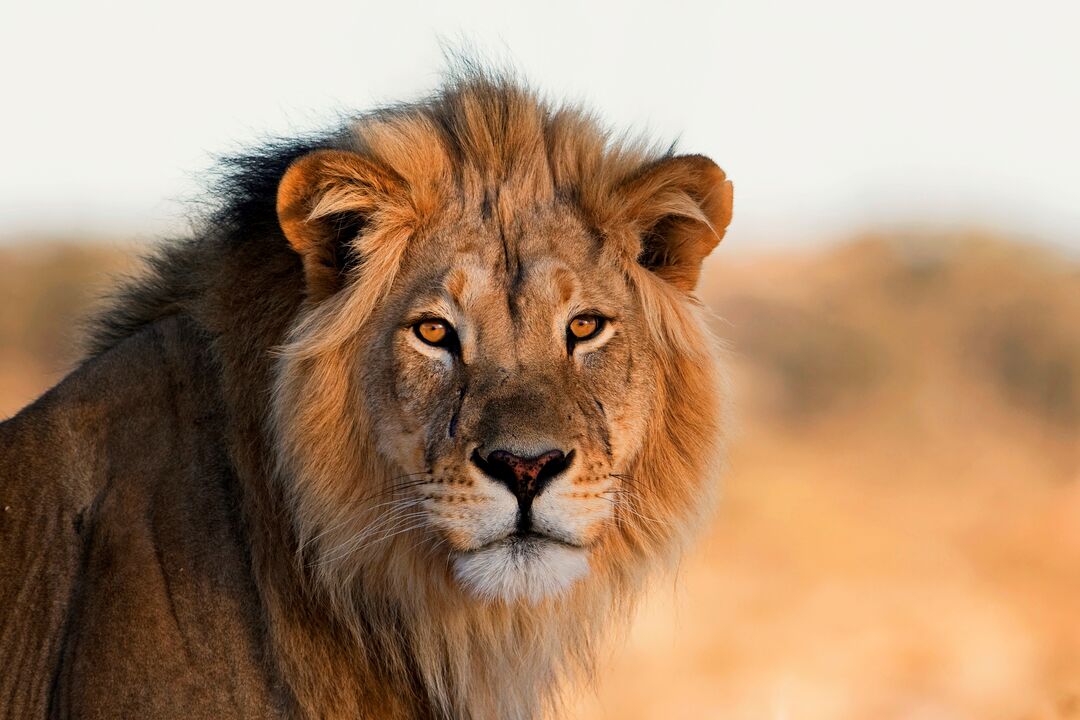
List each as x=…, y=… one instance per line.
x=529, y=568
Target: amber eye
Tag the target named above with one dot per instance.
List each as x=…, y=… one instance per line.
x=584, y=327
x=434, y=332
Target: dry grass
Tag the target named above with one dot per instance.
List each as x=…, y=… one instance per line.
x=900, y=536
x=46, y=291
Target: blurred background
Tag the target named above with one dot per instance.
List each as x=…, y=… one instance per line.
x=900, y=293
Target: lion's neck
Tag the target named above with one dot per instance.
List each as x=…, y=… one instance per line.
x=410, y=662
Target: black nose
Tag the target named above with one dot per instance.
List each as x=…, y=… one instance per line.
x=525, y=476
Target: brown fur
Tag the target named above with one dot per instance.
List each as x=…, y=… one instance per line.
x=278, y=361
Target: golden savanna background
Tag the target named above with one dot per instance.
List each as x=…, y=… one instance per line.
x=900, y=531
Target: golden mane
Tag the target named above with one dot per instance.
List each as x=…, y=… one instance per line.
x=480, y=134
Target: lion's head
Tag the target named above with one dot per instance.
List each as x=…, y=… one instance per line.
x=500, y=392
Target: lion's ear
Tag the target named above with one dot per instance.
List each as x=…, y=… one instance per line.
x=680, y=207
x=324, y=201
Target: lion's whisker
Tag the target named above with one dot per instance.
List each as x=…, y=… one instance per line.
x=626, y=507
x=431, y=548
x=626, y=479
x=389, y=520
x=390, y=534
x=382, y=492
x=400, y=503
x=440, y=543
x=347, y=547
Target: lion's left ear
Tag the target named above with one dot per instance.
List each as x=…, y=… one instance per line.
x=680, y=207
x=324, y=201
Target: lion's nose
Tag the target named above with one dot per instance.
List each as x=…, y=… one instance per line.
x=525, y=476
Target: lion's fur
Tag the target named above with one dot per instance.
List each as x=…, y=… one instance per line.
x=383, y=632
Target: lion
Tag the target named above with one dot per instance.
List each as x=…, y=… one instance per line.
x=400, y=432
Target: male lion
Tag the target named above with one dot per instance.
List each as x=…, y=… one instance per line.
x=397, y=434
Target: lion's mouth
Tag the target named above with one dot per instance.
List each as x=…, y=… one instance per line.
x=523, y=541
x=521, y=565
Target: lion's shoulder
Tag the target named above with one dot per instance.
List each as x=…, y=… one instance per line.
x=120, y=520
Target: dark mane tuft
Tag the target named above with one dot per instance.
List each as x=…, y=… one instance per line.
x=246, y=183
x=240, y=212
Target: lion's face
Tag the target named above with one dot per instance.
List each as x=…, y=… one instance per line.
x=499, y=381
x=511, y=377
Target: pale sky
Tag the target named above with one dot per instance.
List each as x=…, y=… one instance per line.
x=830, y=116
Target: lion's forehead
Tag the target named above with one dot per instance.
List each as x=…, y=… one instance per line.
x=526, y=232
x=543, y=259
x=545, y=282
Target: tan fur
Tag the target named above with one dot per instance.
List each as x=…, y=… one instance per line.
x=532, y=158
x=351, y=440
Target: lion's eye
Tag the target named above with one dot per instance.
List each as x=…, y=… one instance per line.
x=585, y=327
x=435, y=332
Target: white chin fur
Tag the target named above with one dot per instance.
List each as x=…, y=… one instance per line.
x=514, y=569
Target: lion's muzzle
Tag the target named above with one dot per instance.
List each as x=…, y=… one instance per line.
x=525, y=477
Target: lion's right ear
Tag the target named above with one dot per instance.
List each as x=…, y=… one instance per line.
x=324, y=200
x=680, y=207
